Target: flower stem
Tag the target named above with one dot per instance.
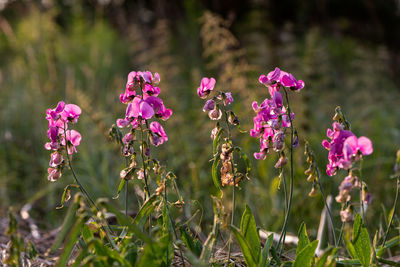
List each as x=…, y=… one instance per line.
x=147, y=189
x=172, y=222
x=327, y=208
x=393, y=211
x=86, y=194
x=283, y=234
x=233, y=189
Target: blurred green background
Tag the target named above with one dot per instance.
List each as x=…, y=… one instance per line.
x=347, y=52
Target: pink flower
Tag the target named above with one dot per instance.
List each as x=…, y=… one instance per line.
x=278, y=77
x=158, y=135
x=55, y=159
x=54, y=174
x=215, y=114
x=71, y=113
x=139, y=108
x=73, y=140
x=344, y=148
x=206, y=86
x=209, y=105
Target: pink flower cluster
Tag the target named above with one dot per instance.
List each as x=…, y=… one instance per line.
x=272, y=118
x=344, y=148
x=279, y=77
x=59, y=135
x=141, y=96
x=211, y=105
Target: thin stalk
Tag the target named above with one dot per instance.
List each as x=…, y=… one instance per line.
x=172, y=222
x=233, y=189
x=341, y=233
x=283, y=234
x=126, y=197
x=83, y=190
x=394, y=209
x=144, y=165
x=328, y=209
x=361, y=189
x=282, y=175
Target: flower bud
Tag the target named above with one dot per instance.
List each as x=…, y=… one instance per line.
x=233, y=119
x=279, y=141
x=215, y=114
x=281, y=162
x=313, y=192
x=54, y=174
x=347, y=214
x=140, y=174
x=55, y=159
x=214, y=133
x=209, y=105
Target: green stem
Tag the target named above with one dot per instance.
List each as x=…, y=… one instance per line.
x=283, y=234
x=147, y=189
x=86, y=194
x=172, y=222
x=233, y=189
x=327, y=208
x=393, y=211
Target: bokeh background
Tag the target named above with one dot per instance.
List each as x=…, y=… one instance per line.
x=347, y=52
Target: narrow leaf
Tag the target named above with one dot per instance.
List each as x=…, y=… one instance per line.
x=265, y=252
x=214, y=173
x=249, y=257
x=303, y=238
x=120, y=187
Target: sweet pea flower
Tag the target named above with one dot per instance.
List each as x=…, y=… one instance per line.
x=54, y=174
x=344, y=148
x=71, y=113
x=158, y=135
x=215, y=114
x=55, y=159
x=139, y=108
x=209, y=105
x=279, y=77
x=73, y=140
x=226, y=98
x=206, y=86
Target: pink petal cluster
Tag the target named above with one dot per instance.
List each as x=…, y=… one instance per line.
x=270, y=123
x=279, y=77
x=206, y=86
x=58, y=120
x=141, y=96
x=344, y=148
x=211, y=106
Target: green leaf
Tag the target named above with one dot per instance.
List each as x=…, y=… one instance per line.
x=303, y=238
x=391, y=243
x=120, y=187
x=249, y=257
x=87, y=233
x=216, y=141
x=66, y=195
x=361, y=242
x=70, y=243
x=265, y=252
x=248, y=229
x=208, y=247
x=194, y=245
x=146, y=209
x=324, y=260
x=69, y=221
x=214, y=173
x=306, y=256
